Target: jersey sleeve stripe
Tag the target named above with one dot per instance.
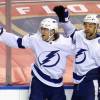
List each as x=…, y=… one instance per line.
x=19, y=42
x=72, y=36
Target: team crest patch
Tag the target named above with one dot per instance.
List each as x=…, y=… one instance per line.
x=99, y=41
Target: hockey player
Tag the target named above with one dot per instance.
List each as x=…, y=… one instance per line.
x=86, y=72
x=51, y=50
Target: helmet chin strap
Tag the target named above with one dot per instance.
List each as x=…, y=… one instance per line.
x=95, y=31
x=50, y=37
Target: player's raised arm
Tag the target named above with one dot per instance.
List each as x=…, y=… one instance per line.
x=12, y=40
x=63, y=15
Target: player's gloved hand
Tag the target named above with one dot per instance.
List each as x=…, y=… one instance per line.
x=1, y=30
x=62, y=13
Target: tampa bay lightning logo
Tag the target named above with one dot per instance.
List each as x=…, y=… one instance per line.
x=80, y=56
x=49, y=58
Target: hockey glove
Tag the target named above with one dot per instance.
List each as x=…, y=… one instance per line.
x=1, y=30
x=62, y=13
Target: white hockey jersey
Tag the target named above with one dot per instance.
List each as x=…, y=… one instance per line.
x=50, y=57
x=87, y=53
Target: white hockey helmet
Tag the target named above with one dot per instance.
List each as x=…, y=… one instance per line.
x=50, y=24
x=91, y=18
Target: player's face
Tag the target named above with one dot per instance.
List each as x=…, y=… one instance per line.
x=45, y=33
x=90, y=30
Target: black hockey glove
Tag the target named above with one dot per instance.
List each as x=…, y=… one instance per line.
x=1, y=30
x=62, y=13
